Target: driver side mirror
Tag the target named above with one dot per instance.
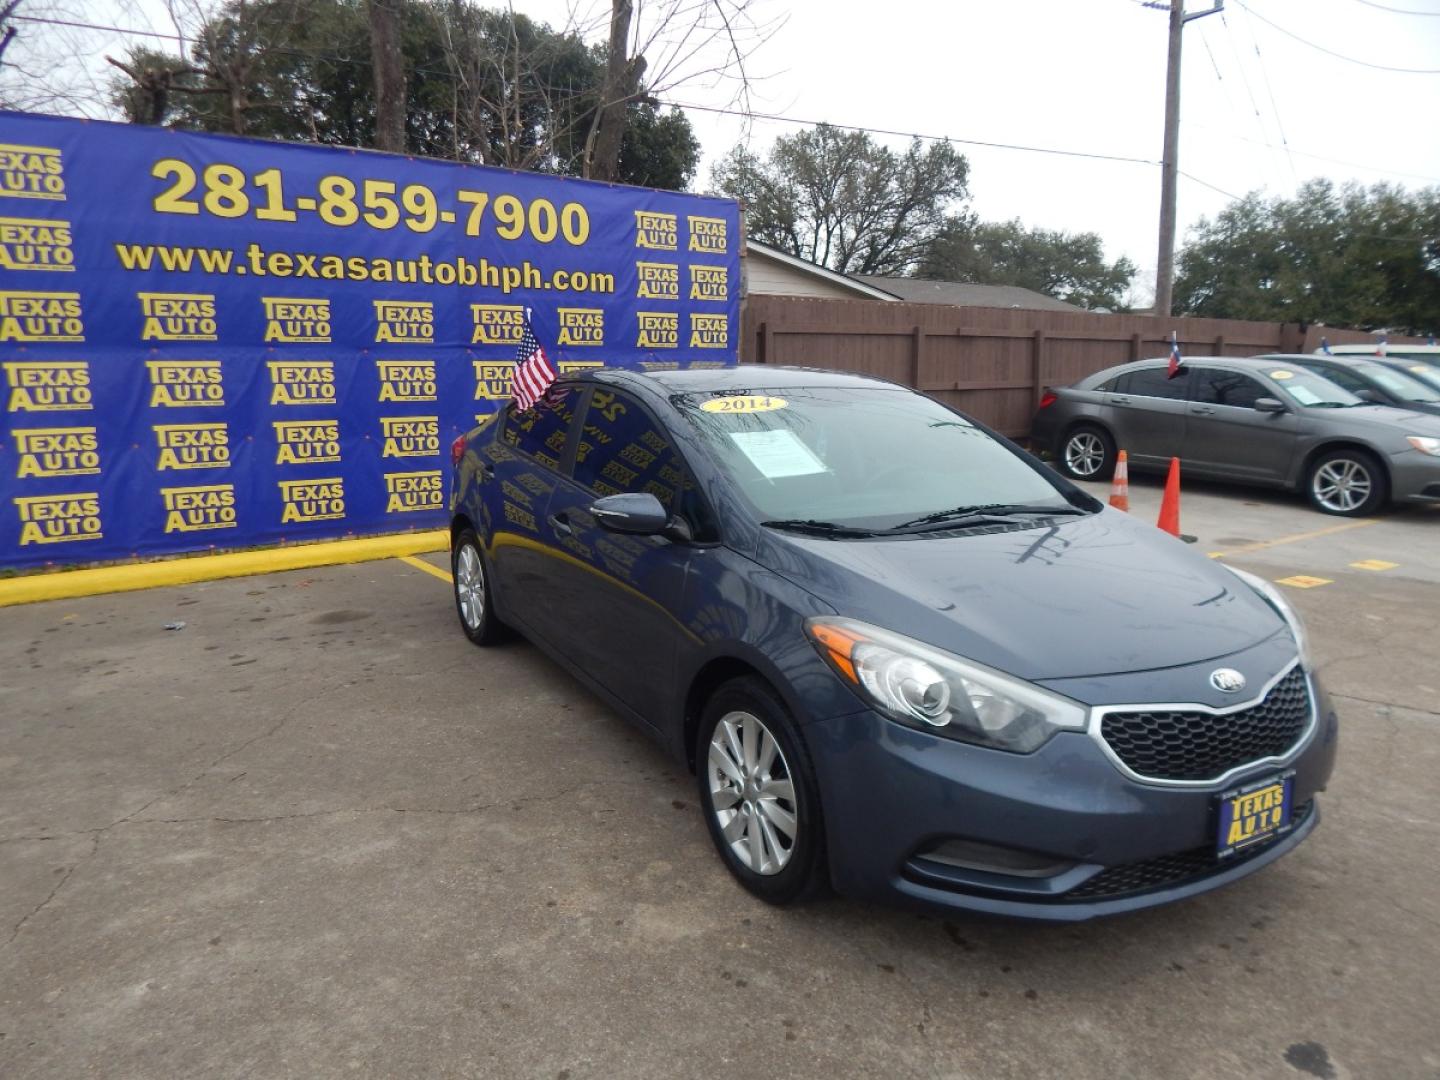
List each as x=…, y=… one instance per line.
x=638, y=513
x=1371, y=396
x=1270, y=405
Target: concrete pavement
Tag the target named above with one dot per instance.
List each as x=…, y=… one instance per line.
x=316, y=833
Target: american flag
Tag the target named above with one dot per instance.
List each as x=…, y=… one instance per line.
x=533, y=373
x=1174, y=368
x=1325, y=346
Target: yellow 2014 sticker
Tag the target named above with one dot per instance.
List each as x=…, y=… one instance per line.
x=745, y=403
x=1282, y=374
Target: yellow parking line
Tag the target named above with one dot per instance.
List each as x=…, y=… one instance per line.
x=1303, y=581
x=421, y=564
x=1374, y=564
x=125, y=577
x=1295, y=538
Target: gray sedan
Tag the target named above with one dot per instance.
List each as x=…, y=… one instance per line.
x=1256, y=421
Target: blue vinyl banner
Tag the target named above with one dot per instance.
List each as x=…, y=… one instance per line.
x=210, y=342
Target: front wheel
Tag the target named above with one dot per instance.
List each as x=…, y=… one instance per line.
x=473, y=598
x=1348, y=483
x=1087, y=453
x=758, y=793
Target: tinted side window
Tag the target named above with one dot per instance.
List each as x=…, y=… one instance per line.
x=1215, y=386
x=622, y=449
x=542, y=431
x=1153, y=382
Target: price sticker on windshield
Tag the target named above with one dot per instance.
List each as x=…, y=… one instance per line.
x=744, y=403
x=1282, y=375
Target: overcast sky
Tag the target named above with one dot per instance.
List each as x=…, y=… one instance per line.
x=1080, y=75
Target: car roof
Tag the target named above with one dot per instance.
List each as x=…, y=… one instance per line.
x=1395, y=349
x=1247, y=363
x=738, y=377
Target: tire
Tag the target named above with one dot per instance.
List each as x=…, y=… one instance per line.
x=784, y=791
x=1087, y=446
x=1347, y=483
x=474, y=603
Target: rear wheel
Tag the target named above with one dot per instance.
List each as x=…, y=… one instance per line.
x=1087, y=453
x=472, y=591
x=1347, y=482
x=758, y=792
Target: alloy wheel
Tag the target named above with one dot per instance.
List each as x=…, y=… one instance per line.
x=1341, y=485
x=751, y=793
x=470, y=586
x=1084, y=453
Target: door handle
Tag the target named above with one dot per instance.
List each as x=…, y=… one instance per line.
x=1202, y=410
x=1119, y=401
x=560, y=524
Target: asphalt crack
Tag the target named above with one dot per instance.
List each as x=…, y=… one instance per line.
x=69, y=873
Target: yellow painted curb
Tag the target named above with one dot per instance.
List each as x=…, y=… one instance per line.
x=68, y=584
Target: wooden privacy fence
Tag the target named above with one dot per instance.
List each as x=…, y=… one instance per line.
x=994, y=363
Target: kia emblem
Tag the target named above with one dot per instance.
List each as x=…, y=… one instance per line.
x=1227, y=680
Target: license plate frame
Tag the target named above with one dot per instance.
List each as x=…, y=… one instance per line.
x=1249, y=816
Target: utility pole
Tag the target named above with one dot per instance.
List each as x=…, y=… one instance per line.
x=1170, y=164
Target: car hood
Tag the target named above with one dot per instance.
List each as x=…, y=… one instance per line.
x=1085, y=596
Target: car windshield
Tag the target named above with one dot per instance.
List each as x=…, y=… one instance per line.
x=871, y=459
x=1311, y=390
x=1426, y=374
x=1404, y=386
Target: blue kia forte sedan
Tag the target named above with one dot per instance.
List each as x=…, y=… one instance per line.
x=902, y=657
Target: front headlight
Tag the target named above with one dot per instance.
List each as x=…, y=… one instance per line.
x=1272, y=596
x=931, y=690
x=1425, y=444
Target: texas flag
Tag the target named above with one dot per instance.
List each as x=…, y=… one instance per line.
x=1174, y=368
x=1384, y=344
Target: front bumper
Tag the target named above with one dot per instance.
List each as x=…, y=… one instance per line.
x=890, y=794
x=1414, y=477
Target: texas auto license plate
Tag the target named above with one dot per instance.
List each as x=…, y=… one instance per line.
x=1254, y=814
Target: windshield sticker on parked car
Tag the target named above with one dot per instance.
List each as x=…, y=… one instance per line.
x=1282, y=374
x=1303, y=394
x=777, y=454
x=745, y=403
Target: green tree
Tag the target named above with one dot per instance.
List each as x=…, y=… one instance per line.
x=844, y=201
x=1345, y=256
x=1067, y=266
x=482, y=85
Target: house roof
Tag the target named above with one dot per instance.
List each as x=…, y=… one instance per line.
x=965, y=294
x=843, y=281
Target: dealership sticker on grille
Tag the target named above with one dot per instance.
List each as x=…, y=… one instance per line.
x=1255, y=813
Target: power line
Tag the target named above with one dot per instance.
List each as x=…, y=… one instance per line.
x=911, y=134
x=1239, y=64
x=677, y=104
x=96, y=26
x=1396, y=10
x=1274, y=108
x=1330, y=52
x=1212, y=187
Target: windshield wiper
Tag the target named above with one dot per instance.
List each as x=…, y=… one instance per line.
x=817, y=528
x=988, y=510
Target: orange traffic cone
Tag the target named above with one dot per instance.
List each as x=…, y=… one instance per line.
x=1120, y=487
x=1170, y=504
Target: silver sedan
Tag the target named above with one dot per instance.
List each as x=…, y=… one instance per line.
x=1258, y=421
